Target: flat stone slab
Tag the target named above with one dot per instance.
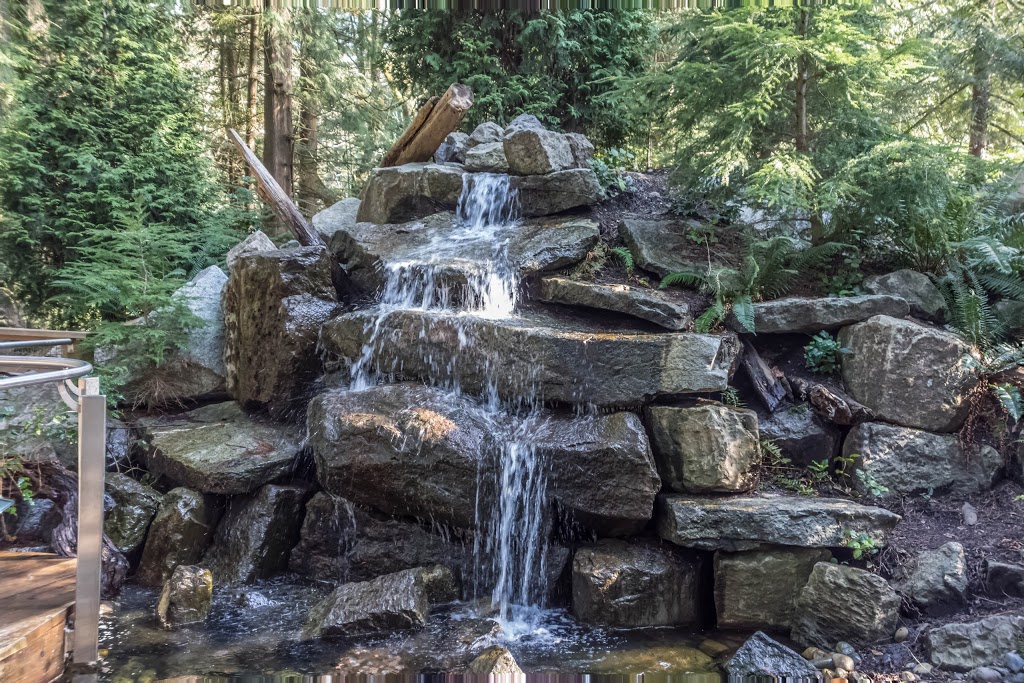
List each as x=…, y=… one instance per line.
x=646, y=304
x=809, y=316
x=747, y=522
x=219, y=449
x=537, y=354
x=391, y=602
x=438, y=242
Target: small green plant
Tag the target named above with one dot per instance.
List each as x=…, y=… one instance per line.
x=731, y=397
x=862, y=544
x=610, y=168
x=772, y=454
x=871, y=485
x=845, y=464
x=626, y=257
x=703, y=234
x=13, y=481
x=820, y=469
x=824, y=354
x=848, y=280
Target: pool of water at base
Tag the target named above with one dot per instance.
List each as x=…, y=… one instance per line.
x=254, y=633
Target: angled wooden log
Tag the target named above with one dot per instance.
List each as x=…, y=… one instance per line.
x=275, y=197
x=766, y=384
x=834, y=406
x=430, y=126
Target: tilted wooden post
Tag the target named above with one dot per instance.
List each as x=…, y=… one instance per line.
x=280, y=203
x=430, y=126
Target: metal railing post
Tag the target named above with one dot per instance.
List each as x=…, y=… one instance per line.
x=92, y=437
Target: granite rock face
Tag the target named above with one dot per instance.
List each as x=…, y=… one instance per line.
x=748, y=522
x=535, y=151
x=645, y=304
x=962, y=647
x=658, y=245
x=186, y=597
x=925, y=299
x=219, y=449
x=935, y=581
x=616, y=583
x=810, y=316
x=135, y=505
x=709, y=448
x=759, y=588
x=397, y=194
x=763, y=656
x=179, y=534
x=254, y=538
x=908, y=461
x=802, y=435
x=453, y=149
x=392, y=602
x=845, y=603
x=906, y=373
x=338, y=216
x=565, y=360
x=488, y=157
x=544, y=195
x=274, y=304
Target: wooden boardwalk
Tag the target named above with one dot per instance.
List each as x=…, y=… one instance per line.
x=37, y=597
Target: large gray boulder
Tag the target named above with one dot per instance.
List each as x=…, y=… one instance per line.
x=762, y=656
x=344, y=542
x=253, y=539
x=582, y=149
x=962, y=647
x=453, y=149
x=397, y=194
x=753, y=521
x=616, y=583
x=802, y=435
x=135, y=505
x=203, y=355
x=338, y=216
x=637, y=302
x=179, y=534
x=529, y=247
x=844, y=603
x=925, y=299
x=810, y=316
x=543, y=195
x=495, y=661
x=218, y=449
x=186, y=597
x=935, y=581
x=486, y=133
x=907, y=373
x=488, y=157
x=759, y=588
x=274, y=304
x=661, y=247
x=535, y=151
x=709, y=448
x=412, y=450
x=909, y=461
x=392, y=602
x=253, y=243
x=571, y=361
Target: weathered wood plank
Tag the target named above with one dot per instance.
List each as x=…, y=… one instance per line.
x=429, y=128
x=25, y=334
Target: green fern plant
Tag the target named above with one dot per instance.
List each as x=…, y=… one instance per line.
x=626, y=257
x=768, y=270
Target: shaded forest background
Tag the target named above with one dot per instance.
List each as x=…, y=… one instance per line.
x=894, y=129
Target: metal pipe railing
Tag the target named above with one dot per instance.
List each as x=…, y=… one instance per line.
x=91, y=407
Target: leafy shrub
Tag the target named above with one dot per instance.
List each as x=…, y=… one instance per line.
x=824, y=354
x=610, y=168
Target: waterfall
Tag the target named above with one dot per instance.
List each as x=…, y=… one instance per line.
x=512, y=524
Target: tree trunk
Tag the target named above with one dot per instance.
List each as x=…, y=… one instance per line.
x=312, y=194
x=981, y=92
x=278, y=133
x=251, y=83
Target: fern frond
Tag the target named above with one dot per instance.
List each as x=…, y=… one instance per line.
x=709, y=318
x=1007, y=286
x=684, y=278
x=626, y=256
x=743, y=309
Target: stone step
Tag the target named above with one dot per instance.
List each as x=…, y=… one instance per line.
x=812, y=315
x=737, y=523
x=638, y=302
x=557, y=358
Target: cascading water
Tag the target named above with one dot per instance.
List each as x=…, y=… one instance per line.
x=467, y=271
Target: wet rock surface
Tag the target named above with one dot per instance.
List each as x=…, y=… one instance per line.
x=764, y=656
x=397, y=194
x=219, y=449
x=616, y=583
x=495, y=661
x=415, y=451
x=749, y=522
x=533, y=246
x=906, y=373
x=274, y=305
x=925, y=299
x=908, y=461
x=758, y=588
x=256, y=534
x=392, y=602
x=810, y=316
x=559, y=358
x=338, y=216
x=705, y=449
x=135, y=505
x=186, y=597
x=645, y=304
x=179, y=534
x=962, y=647
x=841, y=603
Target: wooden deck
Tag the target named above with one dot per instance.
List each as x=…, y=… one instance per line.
x=37, y=596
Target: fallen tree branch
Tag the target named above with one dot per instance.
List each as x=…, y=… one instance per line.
x=766, y=384
x=431, y=125
x=834, y=406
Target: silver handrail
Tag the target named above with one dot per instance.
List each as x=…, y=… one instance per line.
x=91, y=407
